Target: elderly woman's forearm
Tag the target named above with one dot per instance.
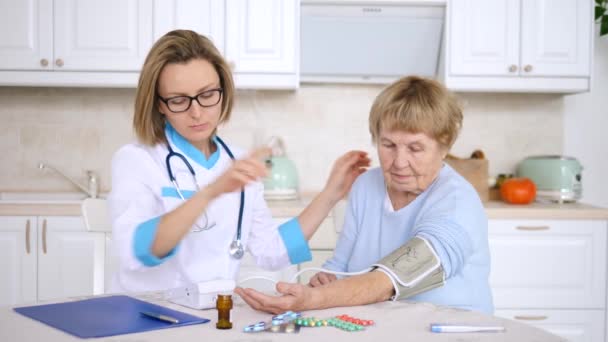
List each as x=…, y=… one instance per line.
x=368, y=288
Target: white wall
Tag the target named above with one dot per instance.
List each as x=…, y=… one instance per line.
x=586, y=129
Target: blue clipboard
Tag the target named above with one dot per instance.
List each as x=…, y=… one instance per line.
x=105, y=316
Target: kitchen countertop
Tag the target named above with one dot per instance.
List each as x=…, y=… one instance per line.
x=290, y=208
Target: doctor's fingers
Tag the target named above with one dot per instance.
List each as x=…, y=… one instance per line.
x=261, y=154
x=321, y=279
x=252, y=168
x=326, y=278
x=315, y=281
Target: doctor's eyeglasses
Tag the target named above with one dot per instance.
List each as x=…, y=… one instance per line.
x=179, y=104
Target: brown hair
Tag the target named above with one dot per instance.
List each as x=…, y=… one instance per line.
x=418, y=105
x=178, y=46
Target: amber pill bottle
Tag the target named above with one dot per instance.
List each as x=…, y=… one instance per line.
x=223, y=306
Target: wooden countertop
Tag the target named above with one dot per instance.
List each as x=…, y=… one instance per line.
x=494, y=210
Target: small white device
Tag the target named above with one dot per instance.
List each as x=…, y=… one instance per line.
x=200, y=295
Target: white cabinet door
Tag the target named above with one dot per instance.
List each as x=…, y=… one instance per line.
x=111, y=264
x=556, y=38
x=484, y=37
x=69, y=257
x=111, y=35
x=573, y=325
x=18, y=255
x=26, y=42
x=548, y=264
x=203, y=16
x=262, y=42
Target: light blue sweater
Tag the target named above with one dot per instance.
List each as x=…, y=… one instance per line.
x=448, y=214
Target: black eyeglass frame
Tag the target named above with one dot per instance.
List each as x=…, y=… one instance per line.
x=191, y=98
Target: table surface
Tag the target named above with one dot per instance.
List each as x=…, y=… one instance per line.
x=394, y=321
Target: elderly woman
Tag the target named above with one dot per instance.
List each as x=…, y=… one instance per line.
x=414, y=223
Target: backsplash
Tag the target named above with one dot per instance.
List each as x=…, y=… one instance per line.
x=79, y=129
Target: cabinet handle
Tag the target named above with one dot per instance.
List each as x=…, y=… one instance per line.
x=512, y=68
x=532, y=228
x=44, y=236
x=27, y=237
x=59, y=62
x=528, y=68
x=531, y=318
x=44, y=62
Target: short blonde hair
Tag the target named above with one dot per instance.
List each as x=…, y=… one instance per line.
x=418, y=105
x=178, y=46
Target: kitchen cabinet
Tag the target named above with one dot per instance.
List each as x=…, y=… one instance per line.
x=519, y=45
x=259, y=39
x=67, y=257
x=573, y=325
x=70, y=42
x=18, y=247
x=203, y=16
x=104, y=44
x=262, y=42
x=48, y=257
x=551, y=274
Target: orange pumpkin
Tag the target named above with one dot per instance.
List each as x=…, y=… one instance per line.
x=518, y=191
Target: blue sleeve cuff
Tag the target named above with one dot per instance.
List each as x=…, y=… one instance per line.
x=295, y=243
x=142, y=243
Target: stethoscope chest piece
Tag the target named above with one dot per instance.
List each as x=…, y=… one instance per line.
x=236, y=249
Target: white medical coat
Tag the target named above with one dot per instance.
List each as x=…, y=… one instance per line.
x=139, y=174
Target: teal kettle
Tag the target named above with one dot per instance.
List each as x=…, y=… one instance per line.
x=282, y=180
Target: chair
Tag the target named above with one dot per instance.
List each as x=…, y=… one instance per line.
x=96, y=220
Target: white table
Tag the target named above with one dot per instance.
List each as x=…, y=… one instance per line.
x=394, y=321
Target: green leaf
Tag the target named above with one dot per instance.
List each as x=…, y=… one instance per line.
x=599, y=2
x=604, y=26
x=599, y=11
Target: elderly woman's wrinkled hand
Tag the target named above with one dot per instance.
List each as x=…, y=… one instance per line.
x=321, y=279
x=295, y=297
x=344, y=172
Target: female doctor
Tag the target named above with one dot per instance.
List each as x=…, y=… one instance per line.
x=185, y=205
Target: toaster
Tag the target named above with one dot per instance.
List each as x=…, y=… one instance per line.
x=557, y=178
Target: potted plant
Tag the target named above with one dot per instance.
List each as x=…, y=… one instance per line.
x=601, y=15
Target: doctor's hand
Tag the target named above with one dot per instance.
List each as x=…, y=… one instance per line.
x=295, y=297
x=241, y=173
x=344, y=172
x=321, y=278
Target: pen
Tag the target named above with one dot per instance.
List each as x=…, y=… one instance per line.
x=455, y=328
x=160, y=317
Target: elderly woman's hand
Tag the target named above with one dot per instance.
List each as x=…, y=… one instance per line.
x=295, y=297
x=344, y=172
x=321, y=278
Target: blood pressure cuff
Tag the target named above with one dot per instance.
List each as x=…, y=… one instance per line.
x=413, y=268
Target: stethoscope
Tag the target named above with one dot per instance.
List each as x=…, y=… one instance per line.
x=236, y=249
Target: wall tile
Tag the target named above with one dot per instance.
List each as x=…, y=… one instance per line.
x=79, y=129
